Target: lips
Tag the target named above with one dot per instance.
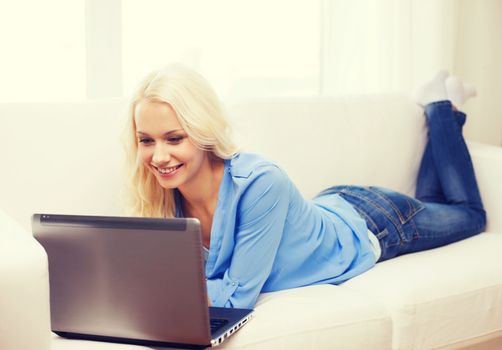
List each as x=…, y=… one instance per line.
x=168, y=170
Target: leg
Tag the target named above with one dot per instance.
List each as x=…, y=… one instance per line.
x=450, y=157
x=428, y=185
x=441, y=87
x=447, y=175
x=440, y=224
x=404, y=224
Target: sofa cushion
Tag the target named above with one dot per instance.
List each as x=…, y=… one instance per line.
x=24, y=289
x=441, y=296
x=314, y=317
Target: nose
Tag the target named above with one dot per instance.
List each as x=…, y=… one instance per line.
x=161, y=154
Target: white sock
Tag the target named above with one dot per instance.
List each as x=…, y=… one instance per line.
x=458, y=92
x=433, y=90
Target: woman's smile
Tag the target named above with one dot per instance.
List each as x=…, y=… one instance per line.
x=167, y=172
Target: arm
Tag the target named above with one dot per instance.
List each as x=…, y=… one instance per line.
x=261, y=215
x=487, y=160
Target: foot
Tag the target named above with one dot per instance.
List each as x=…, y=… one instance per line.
x=432, y=91
x=458, y=92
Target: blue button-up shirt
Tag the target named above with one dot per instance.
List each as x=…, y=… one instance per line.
x=266, y=237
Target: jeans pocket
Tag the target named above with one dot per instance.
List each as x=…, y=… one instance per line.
x=382, y=234
x=379, y=231
x=404, y=206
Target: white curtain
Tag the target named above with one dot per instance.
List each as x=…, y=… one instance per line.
x=381, y=46
x=385, y=45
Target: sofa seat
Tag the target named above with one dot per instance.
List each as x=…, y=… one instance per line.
x=295, y=319
x=442, y=297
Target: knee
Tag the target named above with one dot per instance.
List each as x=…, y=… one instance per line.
x=480, y=217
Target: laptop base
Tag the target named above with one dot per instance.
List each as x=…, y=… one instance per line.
x=128, y=341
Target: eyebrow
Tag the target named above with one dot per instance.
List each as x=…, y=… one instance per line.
x=141, y=133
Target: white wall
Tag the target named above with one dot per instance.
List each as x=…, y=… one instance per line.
x=478, y=58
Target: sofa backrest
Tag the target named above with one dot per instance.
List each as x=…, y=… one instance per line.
x=61, y=158
x=325, y=141
x=66, y=158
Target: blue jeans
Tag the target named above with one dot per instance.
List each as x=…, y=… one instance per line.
x=447, y=207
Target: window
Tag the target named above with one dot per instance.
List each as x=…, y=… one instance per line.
x=60, y=51
x=245, y=48
x=43, y=50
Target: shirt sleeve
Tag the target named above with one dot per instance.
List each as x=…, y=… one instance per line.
x=261, y=218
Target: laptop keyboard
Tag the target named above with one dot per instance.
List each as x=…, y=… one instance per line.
x=217, y=323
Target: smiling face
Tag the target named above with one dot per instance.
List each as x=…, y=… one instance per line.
x=165, y=148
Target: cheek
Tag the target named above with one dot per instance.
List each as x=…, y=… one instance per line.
x=198, y=158
x=144, y=155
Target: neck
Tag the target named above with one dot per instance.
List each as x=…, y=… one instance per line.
x=201, y=195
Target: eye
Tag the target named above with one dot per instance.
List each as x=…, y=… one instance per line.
x=175, y=139
x=145, y=140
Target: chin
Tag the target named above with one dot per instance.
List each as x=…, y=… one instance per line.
x=169, y=184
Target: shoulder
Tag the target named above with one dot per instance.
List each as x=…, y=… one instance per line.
x=255, y=177
x=260, y=189
x=251, y=166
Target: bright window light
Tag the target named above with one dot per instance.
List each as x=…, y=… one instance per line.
x=43, y=51
x=245, y=48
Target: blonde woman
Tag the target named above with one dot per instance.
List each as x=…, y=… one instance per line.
x=258, y=233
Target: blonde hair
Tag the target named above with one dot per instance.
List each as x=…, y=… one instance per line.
x=200, y=114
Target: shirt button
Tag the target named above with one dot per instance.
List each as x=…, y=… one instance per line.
x=233, y=283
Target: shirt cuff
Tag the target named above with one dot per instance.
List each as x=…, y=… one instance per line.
x=220, y=290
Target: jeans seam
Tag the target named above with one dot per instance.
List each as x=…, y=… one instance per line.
x=476, y=229
x=440, y=103
x=413, y=211
x=381, y=209
x=367, y=218
x=414, y=235
x=388, y=201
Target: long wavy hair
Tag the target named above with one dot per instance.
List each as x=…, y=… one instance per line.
x=201, y=115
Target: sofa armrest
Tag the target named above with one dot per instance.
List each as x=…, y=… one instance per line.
x=24, y=289
x=487, y=161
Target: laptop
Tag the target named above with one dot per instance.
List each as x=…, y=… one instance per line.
x=131, y=280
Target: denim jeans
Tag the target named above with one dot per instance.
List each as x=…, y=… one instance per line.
x=447, y=206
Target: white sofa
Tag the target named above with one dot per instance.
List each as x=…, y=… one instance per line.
x=65, y=158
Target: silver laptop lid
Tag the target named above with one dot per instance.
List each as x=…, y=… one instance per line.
x=114, y=277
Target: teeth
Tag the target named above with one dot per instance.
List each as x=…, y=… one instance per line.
x=168, y=170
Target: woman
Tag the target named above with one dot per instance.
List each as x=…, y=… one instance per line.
x=258, y=232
